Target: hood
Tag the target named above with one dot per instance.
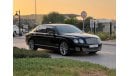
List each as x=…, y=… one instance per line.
x=80, y=35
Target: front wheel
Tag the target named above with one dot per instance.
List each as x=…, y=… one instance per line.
x=32, y=45
x=64, y=48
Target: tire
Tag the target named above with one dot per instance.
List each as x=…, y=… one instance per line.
x=64, y=48
x=32, y=45
x=14, y=34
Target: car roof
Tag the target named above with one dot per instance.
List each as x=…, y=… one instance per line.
x=56, y=24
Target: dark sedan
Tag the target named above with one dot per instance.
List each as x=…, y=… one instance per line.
x=65, y=38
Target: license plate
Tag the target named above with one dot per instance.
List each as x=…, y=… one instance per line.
x=93, y=46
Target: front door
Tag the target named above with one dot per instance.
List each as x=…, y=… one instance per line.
x=52, y=40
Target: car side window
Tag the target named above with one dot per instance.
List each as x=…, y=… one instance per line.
x=50, y=30
x=41, y=28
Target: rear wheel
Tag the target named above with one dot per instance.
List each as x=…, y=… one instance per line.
x=64, y=48
x=32, y=45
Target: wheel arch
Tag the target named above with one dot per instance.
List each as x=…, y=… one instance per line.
x=67, y=40
x=27, y=40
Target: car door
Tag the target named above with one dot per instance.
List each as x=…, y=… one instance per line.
x=40, y=35
x=52, y=40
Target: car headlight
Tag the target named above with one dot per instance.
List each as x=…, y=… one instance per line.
x=81, y=41
x=75, y=40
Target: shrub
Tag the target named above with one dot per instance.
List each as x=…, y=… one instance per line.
x=106, y=36
x=24, y=53
x=103, y=35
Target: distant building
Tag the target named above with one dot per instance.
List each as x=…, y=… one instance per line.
x=106, y=24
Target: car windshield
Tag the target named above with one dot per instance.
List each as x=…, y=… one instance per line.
x=68, y=29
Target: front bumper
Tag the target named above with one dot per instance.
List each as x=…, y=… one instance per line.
x=87, y=48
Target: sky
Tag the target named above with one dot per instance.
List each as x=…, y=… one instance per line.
x=94, y=8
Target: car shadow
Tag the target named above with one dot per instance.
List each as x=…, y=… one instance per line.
x=74, y=54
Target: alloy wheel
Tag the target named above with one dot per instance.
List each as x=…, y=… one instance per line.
x=31, y=44
x=64, y=48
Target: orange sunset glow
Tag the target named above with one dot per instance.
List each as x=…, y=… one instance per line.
x=94, y=8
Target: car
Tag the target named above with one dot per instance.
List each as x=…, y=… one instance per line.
x=64, y=38
x=16, y=31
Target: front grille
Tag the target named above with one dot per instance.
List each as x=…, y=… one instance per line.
x=92, y=40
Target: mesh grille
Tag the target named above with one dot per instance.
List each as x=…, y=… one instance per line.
x=92, y=41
